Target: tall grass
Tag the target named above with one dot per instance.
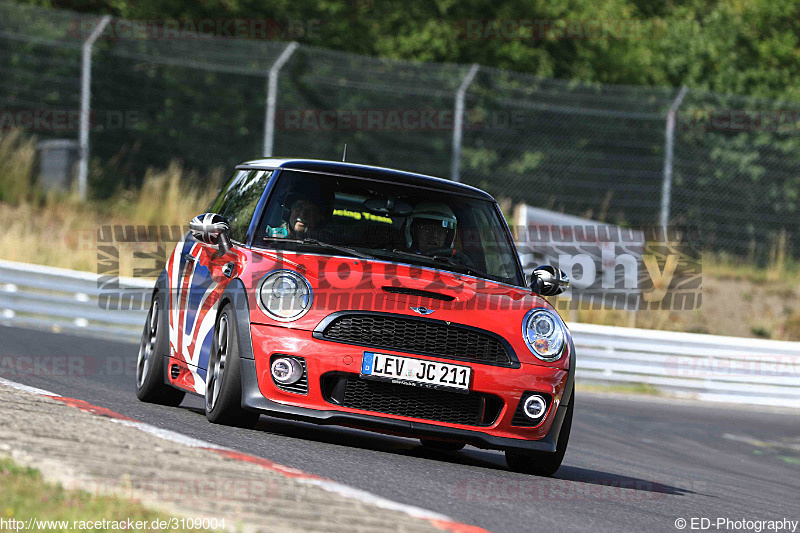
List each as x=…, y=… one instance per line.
x=17, y=158
x=170, y=196
x=779, y=268
x=60, y=230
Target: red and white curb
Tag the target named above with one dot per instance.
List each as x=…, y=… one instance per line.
x=438, y=520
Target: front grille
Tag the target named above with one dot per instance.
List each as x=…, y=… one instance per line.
x=473, y=409
x=428, y=337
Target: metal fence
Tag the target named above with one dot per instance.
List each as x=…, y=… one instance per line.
x=729, y=165
x=707, y=367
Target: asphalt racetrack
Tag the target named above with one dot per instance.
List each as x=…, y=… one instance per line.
x=633, y=463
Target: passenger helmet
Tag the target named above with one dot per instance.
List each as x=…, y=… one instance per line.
x=438, y=212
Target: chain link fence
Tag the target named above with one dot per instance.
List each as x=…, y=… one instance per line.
x=595, y=151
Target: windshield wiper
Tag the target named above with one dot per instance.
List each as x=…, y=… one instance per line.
x=315, y=242
x=443, y=259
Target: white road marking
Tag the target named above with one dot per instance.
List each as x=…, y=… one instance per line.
x=168, y=434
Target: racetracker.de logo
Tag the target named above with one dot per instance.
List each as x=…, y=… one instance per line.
x=395, y=120
x=610, y=489
x=740, y=120
x=60, y=365
x=264, y=29
x=177, y=489
x=516, y=29
x=57, y=120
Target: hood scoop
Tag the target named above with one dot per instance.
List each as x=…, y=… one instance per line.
x=420, y=293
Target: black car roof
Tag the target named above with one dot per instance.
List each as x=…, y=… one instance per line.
x=366, y=171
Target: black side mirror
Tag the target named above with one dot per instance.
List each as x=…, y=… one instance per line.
x=548, y=280
x=211, y=228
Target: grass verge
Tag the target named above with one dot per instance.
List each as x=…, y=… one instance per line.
x=25, y=495
x=780, y=268
x=619, y=388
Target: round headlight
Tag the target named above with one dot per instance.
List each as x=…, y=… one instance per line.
x=284, y=295
x=544, y=334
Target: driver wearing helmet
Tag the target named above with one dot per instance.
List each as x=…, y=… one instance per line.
x=431, y=231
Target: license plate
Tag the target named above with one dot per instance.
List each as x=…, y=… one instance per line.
x=410, y=371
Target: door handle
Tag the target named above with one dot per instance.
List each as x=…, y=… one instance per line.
x=190, y=258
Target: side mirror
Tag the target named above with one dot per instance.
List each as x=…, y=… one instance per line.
x=548, y=280
x=211, y=228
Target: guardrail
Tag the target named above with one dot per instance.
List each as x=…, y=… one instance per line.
x=69, y=300
x=708, y=367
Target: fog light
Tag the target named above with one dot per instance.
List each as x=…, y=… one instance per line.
x=286, y=370
x=534, y=407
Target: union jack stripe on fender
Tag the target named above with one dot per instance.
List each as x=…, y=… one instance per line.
x=194, y=293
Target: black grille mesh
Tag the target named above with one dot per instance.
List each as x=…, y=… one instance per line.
x=409, y=335
x=418, y=402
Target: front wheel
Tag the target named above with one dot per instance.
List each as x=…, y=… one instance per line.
x=544, y=463
x=223, y=380
x=150, y=386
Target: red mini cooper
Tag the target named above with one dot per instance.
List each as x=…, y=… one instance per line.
x=337, y=293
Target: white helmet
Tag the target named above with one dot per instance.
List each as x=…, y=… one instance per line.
x=438, y=212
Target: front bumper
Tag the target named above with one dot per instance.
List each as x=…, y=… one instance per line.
x=509, y=384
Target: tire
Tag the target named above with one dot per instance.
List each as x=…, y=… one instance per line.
x=544, y=463
x=443, y=445
x=153, y=349
x=224, y=379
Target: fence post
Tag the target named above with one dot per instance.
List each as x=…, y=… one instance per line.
x=458, y=121
x=669, y=135
x=86, y=95
x=272, y=97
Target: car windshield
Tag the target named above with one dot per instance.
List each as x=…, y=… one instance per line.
x=388, y=221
